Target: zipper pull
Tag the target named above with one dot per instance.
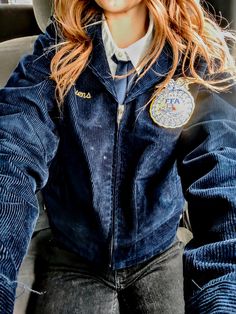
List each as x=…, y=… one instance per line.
x=120, y=113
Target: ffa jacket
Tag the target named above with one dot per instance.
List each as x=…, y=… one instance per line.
x=115, y=193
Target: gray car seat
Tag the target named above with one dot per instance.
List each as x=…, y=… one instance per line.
x=11, y=50
x=17, y=21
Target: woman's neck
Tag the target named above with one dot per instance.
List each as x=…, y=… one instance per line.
x=128, y=27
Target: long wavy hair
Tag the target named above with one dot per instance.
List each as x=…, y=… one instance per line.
x=189, y=29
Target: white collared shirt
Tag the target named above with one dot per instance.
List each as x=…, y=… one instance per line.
x=134, y=52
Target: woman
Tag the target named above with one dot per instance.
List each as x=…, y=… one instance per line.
x=141, y=119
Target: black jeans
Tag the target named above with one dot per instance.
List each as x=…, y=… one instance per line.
x=72, y=286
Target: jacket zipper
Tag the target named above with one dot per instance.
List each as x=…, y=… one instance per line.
x=120, y=113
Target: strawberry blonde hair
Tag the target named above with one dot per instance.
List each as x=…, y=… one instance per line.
x=190, y=31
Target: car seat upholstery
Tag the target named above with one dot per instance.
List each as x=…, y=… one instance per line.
x=17, y=20
x=11, y=50
x=10, y=53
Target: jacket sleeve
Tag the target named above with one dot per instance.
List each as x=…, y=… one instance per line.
x=207, y=166
x=28, y=142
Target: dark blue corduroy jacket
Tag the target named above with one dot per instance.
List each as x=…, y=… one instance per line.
x=115, y=195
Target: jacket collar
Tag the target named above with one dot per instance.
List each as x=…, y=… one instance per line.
x=98, y=61
x=99, y=65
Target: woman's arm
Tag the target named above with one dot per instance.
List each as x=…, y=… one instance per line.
x=207, y=166
x=28, y=142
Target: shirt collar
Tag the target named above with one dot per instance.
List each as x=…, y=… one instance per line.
x=134, y=52
x=99, y=64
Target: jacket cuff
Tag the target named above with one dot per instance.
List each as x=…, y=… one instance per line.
x=219, y=297
x=7, y=295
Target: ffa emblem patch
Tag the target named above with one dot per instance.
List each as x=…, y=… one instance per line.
x=174, y=106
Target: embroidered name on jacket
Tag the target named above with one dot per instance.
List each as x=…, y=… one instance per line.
x=83, y=94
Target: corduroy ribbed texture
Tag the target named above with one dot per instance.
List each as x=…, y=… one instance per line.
x=208, y=171
x=24, y=159
x=217, y=298
x=7, y=293
x=119, y=201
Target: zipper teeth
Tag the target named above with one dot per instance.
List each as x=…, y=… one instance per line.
x=120, y=113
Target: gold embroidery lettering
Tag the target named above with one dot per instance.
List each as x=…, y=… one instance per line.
x=83, y=94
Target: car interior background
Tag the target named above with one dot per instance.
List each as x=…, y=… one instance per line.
x=20, y=23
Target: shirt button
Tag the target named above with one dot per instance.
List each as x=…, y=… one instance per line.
x=120, y=54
